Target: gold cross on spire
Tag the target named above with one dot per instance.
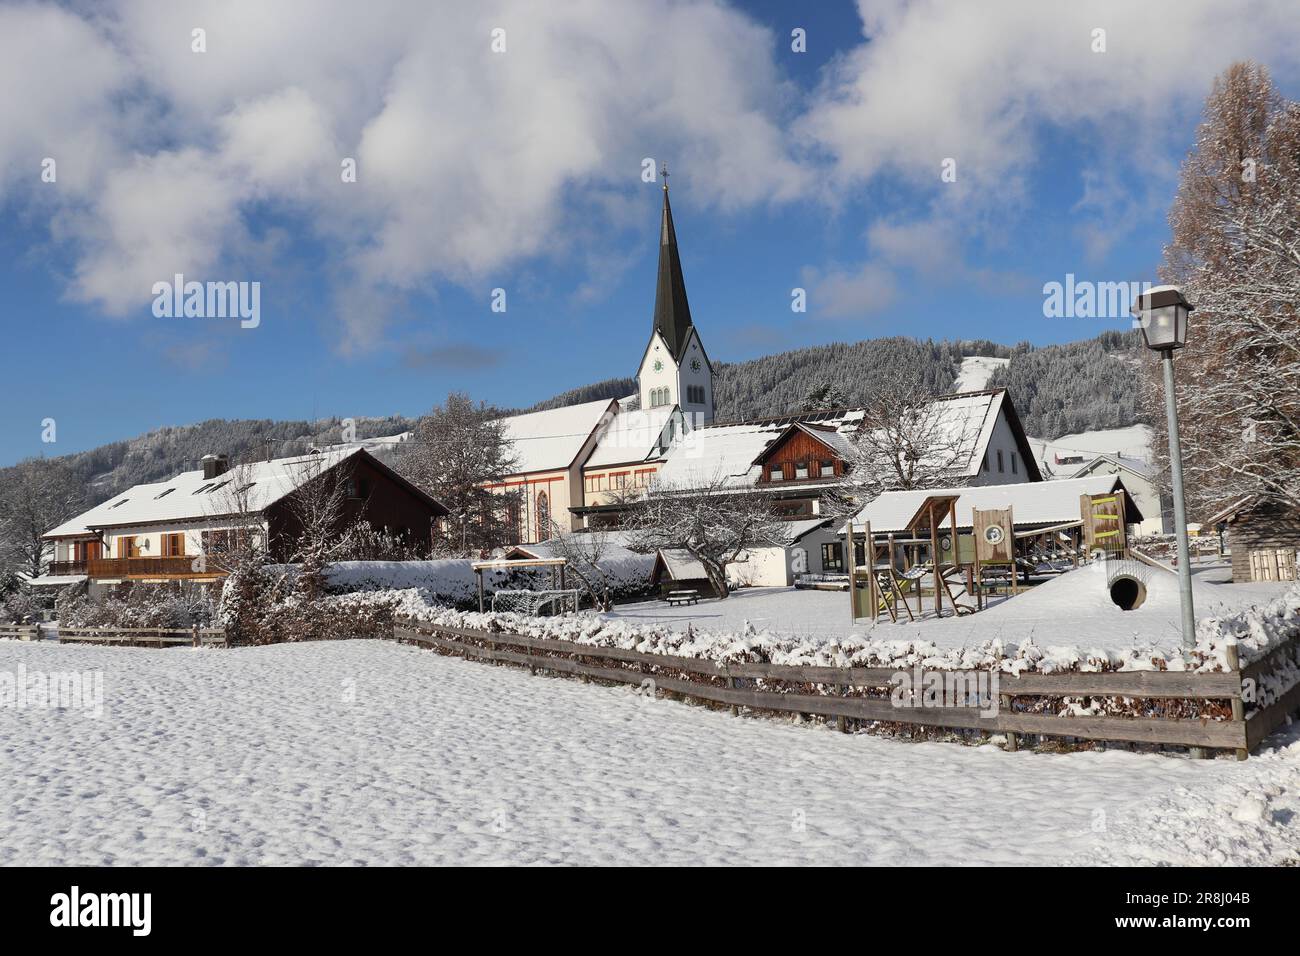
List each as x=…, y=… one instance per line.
x=664, y=173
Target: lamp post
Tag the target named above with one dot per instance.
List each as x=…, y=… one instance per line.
x=1162, y=312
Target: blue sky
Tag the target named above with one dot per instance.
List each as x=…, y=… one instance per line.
x=818, y=170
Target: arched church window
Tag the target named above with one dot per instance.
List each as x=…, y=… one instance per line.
x=543, y=516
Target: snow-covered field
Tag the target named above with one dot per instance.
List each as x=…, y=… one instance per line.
x=371, y=752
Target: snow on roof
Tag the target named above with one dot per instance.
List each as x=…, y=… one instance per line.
x=729, y=451
x=551, y=440
x=1034, y=502
x=632, y=436
x=190, y=497
x=797, y=529
x=681, y=565
x=1136, y=465
x=55, y=580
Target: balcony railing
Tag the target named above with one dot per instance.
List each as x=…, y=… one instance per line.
x=183, y=566
x=66, y=567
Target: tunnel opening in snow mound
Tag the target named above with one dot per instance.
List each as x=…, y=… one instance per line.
x=1127, y=592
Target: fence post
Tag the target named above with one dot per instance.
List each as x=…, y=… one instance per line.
x=1004, y=704
x=194, y=631
x=1233, y=656
x=731, y=682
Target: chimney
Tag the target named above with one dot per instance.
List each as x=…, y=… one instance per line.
x=214, y=465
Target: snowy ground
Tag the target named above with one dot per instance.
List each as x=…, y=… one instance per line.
x=370, y=752
x=1074, y=608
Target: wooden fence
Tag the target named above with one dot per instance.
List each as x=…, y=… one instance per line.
x=144, y=636
x=20, y=632
x=843, y=692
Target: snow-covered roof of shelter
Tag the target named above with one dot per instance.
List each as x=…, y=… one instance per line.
x=55, y=580
x=632, y=436
x=551, y=440
x=1033, y=502
x=723, y=453
x=797, y=529
x=681, y=565
x=191, y=497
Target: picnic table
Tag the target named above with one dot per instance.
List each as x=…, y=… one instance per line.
x=676, y=598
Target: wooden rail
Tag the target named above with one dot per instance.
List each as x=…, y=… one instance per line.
x=144, y=636
x=827, y=691
x=20, y=632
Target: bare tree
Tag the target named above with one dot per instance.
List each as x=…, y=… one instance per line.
x=584, y=551
x=1236, y=252
x=714, y=522
x=907, y=440
x=317, y=507
x=457, y=450
x=38, y=495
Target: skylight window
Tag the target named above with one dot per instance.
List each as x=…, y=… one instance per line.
x=164, y=493
x=201, y=489
x=120, y=503
x=218, y=486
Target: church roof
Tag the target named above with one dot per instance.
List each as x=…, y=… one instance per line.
x=672, y=318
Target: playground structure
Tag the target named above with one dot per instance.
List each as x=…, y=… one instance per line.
x=557, y=598
x=986, y=555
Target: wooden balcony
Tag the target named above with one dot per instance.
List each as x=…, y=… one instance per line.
x=184, y=566
x=66, y=567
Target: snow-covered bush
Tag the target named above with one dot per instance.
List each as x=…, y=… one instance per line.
x=132, y=605
x=262, y=605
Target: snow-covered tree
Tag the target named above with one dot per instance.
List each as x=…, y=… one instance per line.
x=456, y=449
x=37, y=495
x=714, y=522
x=317, y=510
x=906, y=441
x=1236, y=253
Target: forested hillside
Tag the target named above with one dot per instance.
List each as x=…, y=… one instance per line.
x=1076, y=387
x=156, y=455
x=1058, y=389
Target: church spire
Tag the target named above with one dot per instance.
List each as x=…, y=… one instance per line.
x=672, y=318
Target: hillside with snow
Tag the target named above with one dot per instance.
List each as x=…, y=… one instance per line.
x=975, y=372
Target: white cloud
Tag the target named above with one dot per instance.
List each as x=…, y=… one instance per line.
x=468, y=160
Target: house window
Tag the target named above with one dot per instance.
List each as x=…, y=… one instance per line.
x=1014, y=469
x=776, y=473
x=695, y=394
x=543, y=516
x=173, y=545
x=833, y=556
x=825, y=468
x=127, y=547
x=1000, y=468
x=801, y=471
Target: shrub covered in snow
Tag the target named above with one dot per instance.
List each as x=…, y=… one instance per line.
x=132, y=605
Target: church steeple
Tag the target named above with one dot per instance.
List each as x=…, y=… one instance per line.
x=672, y=318
x=674, y=368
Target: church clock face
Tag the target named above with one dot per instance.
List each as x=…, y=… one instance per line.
x=695, y=365
x=659, y=366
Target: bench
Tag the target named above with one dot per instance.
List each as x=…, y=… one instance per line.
x=676, y=598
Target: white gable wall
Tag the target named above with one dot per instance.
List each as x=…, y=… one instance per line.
x=1002, y=440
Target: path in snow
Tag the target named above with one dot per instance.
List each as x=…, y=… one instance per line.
x=371, y=752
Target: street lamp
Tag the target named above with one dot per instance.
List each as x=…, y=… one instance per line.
x=1162, y=312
